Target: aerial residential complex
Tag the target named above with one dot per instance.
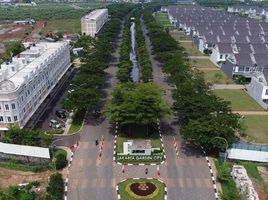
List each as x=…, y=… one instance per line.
x=237, y=45
x=93, y=22
x=28, y=78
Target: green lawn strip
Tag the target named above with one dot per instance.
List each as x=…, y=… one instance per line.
x=77, y=122
x=16, y=165
x=202, y=63
x=239, y=99
x=125, y=195
x=162, y=18
x=190, y=48
x=256, y=128
x=179, y=36
x=216, y=76
x=62, y=25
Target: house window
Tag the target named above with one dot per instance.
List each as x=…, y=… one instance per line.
x=220, y=56
x=15, y=118
x=266, y=92
x=247, y=69
x=9, y=119
x=6, y=107
x=13, y=106
x=1, y=119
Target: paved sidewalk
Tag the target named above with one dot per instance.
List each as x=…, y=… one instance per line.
x=199, y=57
x=227, y=87
x=251, y=112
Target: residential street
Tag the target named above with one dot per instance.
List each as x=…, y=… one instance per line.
x=94, y=178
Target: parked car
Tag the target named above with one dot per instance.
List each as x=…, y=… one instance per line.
x=54, y=124
x=60, y=114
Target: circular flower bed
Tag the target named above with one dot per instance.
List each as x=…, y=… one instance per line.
x=142, y=188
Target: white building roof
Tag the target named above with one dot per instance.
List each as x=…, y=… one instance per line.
x=26, y=65
x=94, y=15
x=249, y=155
x=31, y=151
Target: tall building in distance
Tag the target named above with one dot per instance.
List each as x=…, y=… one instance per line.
x=93, y=22
x=27, y=80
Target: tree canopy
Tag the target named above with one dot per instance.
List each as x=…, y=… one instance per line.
x=137, y=104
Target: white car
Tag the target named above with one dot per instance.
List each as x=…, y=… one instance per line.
x=54, y=124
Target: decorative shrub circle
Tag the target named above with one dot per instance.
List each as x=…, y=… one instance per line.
x=142, y=188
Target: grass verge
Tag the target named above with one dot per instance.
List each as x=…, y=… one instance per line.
x=125, y=195
x=239, y=99
x=216, y=76
x=202, y=63
x=77, y=122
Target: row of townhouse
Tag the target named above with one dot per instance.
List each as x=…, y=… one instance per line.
x=238, y=45
x=27, y=79
x=254, y=12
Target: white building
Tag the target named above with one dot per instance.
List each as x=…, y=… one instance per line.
x=93, y=22
x=138, y=147
x=26, y=81
x=24, y=153
x=243, y=182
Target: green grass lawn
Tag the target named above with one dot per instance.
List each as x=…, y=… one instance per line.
x=202, y=63
x=191, y=48
x=256, y=128
x=179, y=35
x=239, y=100
x=77, y=122
x=63, y=25
x=162, y=18
x=216, y=76
x=124, y=194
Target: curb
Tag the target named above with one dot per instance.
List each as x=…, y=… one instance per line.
x=66, y=181
x=139, y=164
x=212, y=176
x=118, y=193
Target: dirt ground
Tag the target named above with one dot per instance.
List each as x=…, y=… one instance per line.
x=11, y=177
x=264, y=173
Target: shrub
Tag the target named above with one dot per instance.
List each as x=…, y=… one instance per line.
x=55, y=187
x=61, y=160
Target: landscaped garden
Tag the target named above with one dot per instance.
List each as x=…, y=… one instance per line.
x=256, y=128
x=240, y=101
x=143, y=189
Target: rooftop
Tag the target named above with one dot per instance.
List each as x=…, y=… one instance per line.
x=17, y=71
x=140, y=144
x=95, y=14
x=15, y=149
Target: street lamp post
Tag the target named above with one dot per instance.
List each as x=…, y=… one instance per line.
x=225, y=155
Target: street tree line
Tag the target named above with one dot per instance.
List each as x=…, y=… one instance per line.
x=85, y=89
x=202, y=115
x=142, y=54
x=124, y=66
